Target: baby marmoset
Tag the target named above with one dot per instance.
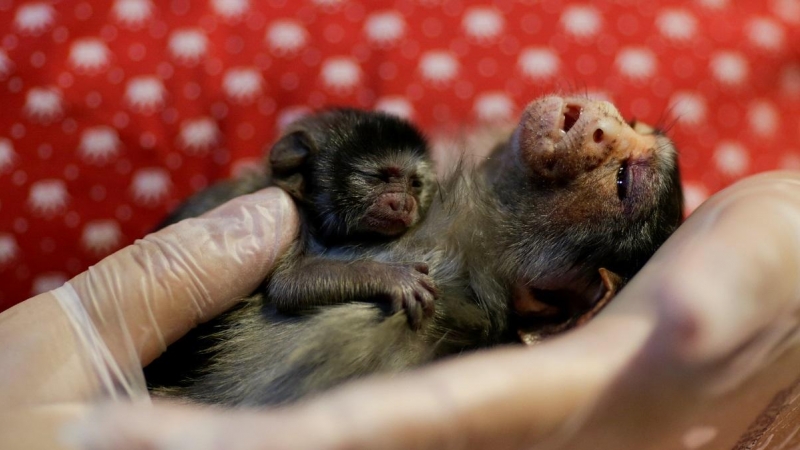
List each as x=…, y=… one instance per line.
x=359, y=179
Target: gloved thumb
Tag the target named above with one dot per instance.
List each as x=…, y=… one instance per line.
x=144, y=297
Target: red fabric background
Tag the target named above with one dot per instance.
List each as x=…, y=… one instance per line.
x=113, y=111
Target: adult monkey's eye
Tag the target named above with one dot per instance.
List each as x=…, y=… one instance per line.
x=416, y=182
x=623, y=177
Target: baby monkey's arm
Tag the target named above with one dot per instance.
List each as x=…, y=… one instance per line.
x=312, y=281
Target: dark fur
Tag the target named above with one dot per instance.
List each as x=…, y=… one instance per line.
x=489, y=231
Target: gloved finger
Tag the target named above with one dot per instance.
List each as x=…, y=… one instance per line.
x=166, y=426
x=734, y=269
x=169, y=281
x=497, y=400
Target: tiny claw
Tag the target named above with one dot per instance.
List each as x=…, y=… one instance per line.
x=428, y=285
x=429, y=308
x=414, y=314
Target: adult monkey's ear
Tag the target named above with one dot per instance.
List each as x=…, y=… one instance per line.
x=545, y=307
x=610, y=285
x=288, y=160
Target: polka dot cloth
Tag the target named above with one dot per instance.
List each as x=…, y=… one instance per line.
x=113, y=111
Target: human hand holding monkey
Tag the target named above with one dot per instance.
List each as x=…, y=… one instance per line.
x=701, y=308
x=88, y=340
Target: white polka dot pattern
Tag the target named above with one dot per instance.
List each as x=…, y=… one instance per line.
x=385, y=28
x=114, y=111
x=582, y=21
x=539, y=63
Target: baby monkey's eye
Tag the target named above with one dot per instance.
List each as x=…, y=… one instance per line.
x=632, y=123
x=623, y=177
x=372, y=177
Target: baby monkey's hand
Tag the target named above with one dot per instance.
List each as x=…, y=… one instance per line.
x=413, y=292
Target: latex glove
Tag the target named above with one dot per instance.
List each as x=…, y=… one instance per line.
x=667, y=365
x=64, y=350
x=685, y=357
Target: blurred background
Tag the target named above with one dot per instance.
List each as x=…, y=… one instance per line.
x=114, y=111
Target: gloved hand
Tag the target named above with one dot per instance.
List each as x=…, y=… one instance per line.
x=87, y=341
x=685, y=357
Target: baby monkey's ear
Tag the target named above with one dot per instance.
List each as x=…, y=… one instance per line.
x=288, y=160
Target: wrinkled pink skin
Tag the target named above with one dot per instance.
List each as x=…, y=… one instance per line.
x=591, y=132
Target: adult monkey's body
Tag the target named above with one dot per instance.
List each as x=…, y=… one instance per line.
x=574, y=194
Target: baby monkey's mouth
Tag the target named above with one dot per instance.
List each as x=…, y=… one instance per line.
x=389, y=225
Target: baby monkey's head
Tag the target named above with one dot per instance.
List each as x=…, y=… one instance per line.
x=356, y=174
